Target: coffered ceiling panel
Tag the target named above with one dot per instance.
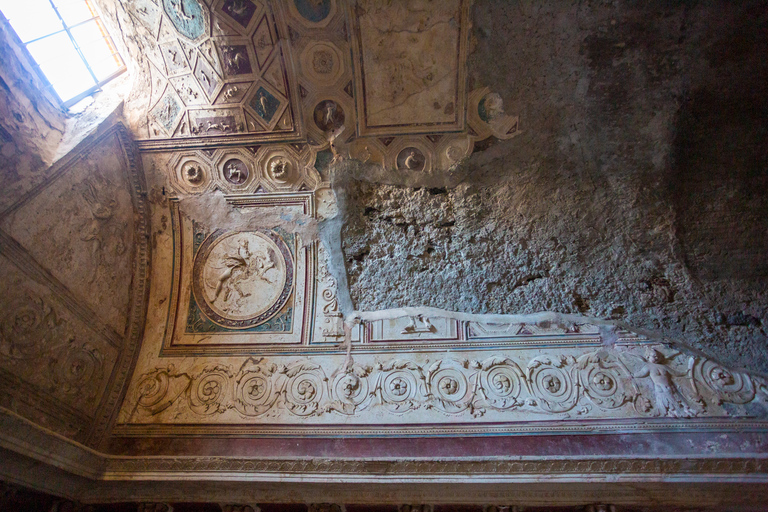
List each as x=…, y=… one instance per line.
x=380, y=82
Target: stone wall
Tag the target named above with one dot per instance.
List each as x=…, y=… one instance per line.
x=636, y=191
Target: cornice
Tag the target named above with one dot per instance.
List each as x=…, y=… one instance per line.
x=29, y=440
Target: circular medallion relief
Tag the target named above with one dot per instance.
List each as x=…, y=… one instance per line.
x=235, y=171
x=329, y=115
x=314, y=11
x=322, y=62
x=242, y=278
x=411, y=159
x=279, y=168
x=193, y=173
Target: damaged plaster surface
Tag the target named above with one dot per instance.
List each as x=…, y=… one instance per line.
x=600, y=272
x=624, y=203
x=635, y=192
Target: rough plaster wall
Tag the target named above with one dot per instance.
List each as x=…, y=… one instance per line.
x=31, y=126
x=35, y=130
x=636, y=192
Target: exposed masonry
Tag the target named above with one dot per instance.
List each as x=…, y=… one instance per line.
x=631, y=200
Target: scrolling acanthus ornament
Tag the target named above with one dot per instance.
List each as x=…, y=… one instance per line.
x=350, y=390
x=552, y=384
x=607, y=383
x=500, y=383
x=32, y=331
x=333, y=323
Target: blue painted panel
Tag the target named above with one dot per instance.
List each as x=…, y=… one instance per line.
x=313, y=10
x=187, y=16
x=264, y=104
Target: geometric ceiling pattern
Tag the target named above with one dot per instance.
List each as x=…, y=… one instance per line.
x=243, y=342
x=382, y=84
x=247, y=333
x=222, y=71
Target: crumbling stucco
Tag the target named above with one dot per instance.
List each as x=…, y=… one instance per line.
x=635, y=193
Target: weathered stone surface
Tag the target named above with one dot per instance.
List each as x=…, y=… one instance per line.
x=636, y=191
x=31, y=126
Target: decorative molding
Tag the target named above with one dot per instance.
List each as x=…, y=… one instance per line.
x=306, y=72
x=277, y=168
x=221, y=77
x=75, y=471
x=81, y=364
x=15, y=253
x=123, y=369
x=193, y=328
x=605, y=386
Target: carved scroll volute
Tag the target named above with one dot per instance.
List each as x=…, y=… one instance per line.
x=210, y=392
x=350, y=390
x=400, y=385
x=30, y=328
x=722, y=384
x=552, y=383
x=159, y=389
x=449, y=388
x=305, y=388
x=255, y=388
x=501, y=381
x=74, y=369
x=605, y=380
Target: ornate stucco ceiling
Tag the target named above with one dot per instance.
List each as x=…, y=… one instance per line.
x=189, y=292
x=385, y=82
x=249, y=329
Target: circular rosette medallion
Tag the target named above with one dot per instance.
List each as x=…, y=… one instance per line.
x=75, y=368
x=603, y=384
x=210, y=391
x=22, y=330
x=242, y=278
x=501, y=384
x=152, y=389
x=552, y=384
x=728, y=386
x=304, y=389
x=254, y=393
x=349, y=388
x=398, y=390
x=449, y=387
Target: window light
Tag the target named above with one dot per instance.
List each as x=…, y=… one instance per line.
x=68, y=42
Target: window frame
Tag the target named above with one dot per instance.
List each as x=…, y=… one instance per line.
x=48, y=86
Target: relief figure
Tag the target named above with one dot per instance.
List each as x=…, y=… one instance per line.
x=669, y=399
x=239, y=267
x=103, y=229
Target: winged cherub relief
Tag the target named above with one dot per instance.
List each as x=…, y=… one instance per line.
x=669, y=397
x=236, y=269
x=102, y=229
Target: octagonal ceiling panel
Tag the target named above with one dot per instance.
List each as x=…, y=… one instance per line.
x=397, y=70
x=213, y=56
